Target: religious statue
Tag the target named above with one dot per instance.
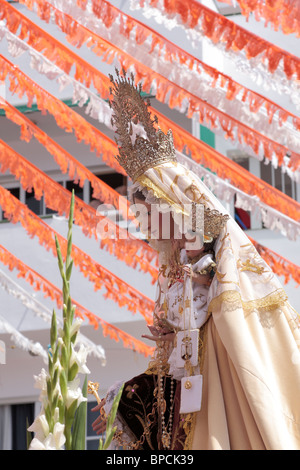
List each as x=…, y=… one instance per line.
x=226, y=369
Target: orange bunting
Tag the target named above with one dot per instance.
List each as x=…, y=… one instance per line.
x=228, y=169
x=166, y=90
x=66, y=118
x=280, y=13
x=39, y=283
x=220, y=29
x=279, y=265
x=18, y=212
x=201, y=152
x=120, y=242
x=51, y=48
x=110, y=14
x=85, y=215
x=116, y=289
x=36, y=227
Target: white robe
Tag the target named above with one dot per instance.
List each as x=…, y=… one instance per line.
x=175, y=296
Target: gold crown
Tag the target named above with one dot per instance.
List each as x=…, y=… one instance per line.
x=212, y=220
x=129, y=108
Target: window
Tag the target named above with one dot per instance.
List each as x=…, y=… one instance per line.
x=15, y=192
x=242, y=217
x=34, y=204
x=14, y=421
x=78, y=191
x=278, y=179
x=114, y=180
x=22, y=415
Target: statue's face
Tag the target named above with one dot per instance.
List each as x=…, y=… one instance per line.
x=155, y=224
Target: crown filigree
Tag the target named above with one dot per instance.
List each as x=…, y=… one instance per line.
x=214, y=221
x=137, y=153
x=211, y=220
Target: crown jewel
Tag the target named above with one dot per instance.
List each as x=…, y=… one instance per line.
x=211, y=220
x=214, y=222
x=130, y=109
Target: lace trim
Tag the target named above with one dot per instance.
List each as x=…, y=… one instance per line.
x=232, y=300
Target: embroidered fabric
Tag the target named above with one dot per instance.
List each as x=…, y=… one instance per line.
x=174, y=295
x=175, y=298
x=236, y=283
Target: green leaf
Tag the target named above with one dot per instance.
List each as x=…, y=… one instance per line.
x=59, y=257
x=71, y=213
x=49, y=417
x=54, y=402
x=79, y=427
x=50, y=364
x=69, y=270
x=114, y=408
x=109, y=438
x=70, y=413
x=63, y=383
x=65, y=289
x=55, y=378
x=70, y=226
x=55, y=354
x=69, y=305
x=110, y=431
x=67, y=331
x=73, y=372
x=64, y=357
x=69, y=249
x=61, y=408
x=53, y=333
x=100, y=447
x=73, y=338
x=49, y=388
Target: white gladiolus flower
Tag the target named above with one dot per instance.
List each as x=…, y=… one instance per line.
x=74, y=393
x=58, y=435
x=45, y=440
x=41, y=383
x=54, y=441
x=57, y=365
x=40, y=427
x=75, y=327
x=80, y=358
x=36, y=444
x=41, y=380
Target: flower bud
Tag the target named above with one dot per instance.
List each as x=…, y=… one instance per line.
x=63, y=383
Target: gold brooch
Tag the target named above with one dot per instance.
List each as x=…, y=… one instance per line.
x=188, y=385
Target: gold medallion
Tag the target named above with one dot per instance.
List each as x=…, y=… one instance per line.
x=188, y=385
